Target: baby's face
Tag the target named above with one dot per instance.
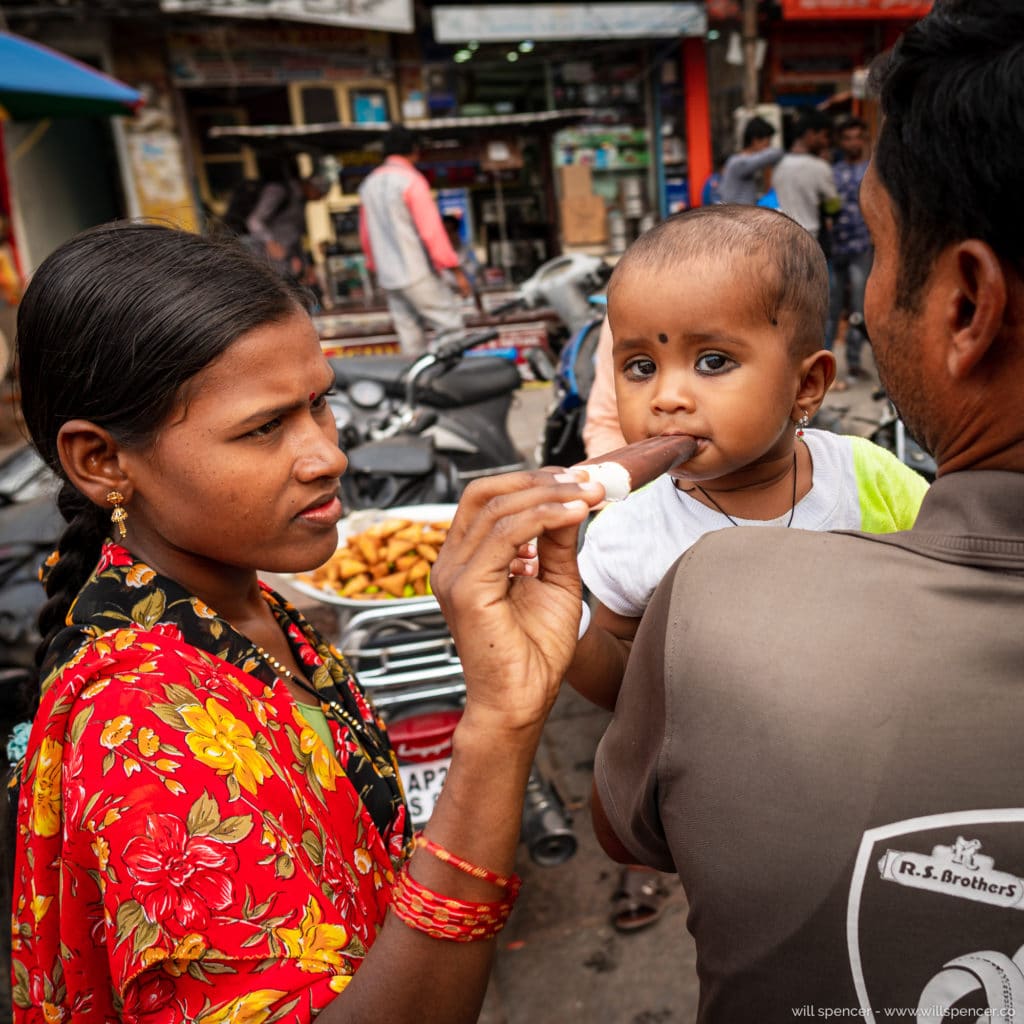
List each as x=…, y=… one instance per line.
x=696, y=352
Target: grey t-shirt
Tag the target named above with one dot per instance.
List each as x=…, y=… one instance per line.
x=803, y=182
x=740, y=175
x=821, y=732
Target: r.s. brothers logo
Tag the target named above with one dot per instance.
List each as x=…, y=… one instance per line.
x=931, y=917
x=959, y=870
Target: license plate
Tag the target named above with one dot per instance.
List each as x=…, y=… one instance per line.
x=423, y=783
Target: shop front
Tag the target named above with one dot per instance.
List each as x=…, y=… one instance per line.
x=637, y=68
x=820, y=50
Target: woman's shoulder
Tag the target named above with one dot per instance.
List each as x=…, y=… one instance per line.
x=126, y=653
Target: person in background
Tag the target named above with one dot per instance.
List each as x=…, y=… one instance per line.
x=711, y=192
x=601, y=430
x=211, y=826
x=406, y=245
x=803, y=180
x=743, y=171
x=850, y=261
x=277, y=223
x=468, y=259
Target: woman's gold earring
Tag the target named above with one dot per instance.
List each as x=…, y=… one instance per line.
x=120, y=513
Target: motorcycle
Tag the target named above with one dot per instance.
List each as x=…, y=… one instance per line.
x=29, y=527
x=417, y=431
x=892, y=435
x=567, y=284
x=406, y=660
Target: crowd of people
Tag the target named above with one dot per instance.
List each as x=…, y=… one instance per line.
x=815, y=725
x=816, y=182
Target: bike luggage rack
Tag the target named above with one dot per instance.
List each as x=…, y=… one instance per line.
x=403, y=655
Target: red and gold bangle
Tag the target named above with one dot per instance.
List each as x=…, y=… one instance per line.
x=444, y=917
x=511, y=885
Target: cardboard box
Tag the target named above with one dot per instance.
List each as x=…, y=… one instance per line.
x=584, y=220
x=575, y=180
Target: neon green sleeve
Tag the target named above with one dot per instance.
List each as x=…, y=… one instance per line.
x=890, y=493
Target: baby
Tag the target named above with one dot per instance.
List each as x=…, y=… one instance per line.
x=718, y=319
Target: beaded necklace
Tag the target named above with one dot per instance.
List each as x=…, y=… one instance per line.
x=329, y=707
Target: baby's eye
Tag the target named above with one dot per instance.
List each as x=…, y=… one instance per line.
x=640, y=369
x=713, y=362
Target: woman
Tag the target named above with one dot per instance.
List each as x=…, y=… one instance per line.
x=211, y=826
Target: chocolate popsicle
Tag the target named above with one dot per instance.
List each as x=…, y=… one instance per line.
x=628, y=468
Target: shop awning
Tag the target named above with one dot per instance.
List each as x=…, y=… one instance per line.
x=37, y=82
x=340, y=133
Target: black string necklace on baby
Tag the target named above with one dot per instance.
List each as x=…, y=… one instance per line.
x=792, y=510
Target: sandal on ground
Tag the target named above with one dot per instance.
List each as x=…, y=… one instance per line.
x=839, y=385
x=639, y=899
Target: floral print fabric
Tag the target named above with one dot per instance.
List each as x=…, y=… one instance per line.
x=188, y=847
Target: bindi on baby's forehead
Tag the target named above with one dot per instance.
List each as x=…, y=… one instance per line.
x=663, y=337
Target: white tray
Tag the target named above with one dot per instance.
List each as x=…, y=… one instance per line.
x=356, y=522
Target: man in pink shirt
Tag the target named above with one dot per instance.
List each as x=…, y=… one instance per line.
x=407, y=246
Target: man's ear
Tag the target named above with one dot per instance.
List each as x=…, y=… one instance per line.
x=977, y=309
x=817, y=372
x=90, y=457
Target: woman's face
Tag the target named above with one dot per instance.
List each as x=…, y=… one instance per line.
x=244, y=474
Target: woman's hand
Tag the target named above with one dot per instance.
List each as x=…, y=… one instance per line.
x=515, y=634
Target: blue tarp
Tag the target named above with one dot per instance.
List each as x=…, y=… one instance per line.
x=37, y=82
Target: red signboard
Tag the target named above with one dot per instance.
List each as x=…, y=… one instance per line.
x=723, y=10
x=833, y=9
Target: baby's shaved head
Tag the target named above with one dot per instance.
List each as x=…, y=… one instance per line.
x=794, y=279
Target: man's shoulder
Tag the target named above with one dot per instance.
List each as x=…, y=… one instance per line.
x=755, y=553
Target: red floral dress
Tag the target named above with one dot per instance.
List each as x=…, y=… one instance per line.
x=189, y=849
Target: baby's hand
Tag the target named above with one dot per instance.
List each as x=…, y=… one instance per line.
x=526, y=562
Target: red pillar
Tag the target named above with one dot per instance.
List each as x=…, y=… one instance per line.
x=698, y=115
x=7, y=208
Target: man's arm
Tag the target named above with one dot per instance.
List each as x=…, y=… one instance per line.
x=748, y=164
x=831, y=202
x=364, y=240
x=630, y=756
x=272, y=197
x=610, y=842
x=429, y=226
x=601, y=430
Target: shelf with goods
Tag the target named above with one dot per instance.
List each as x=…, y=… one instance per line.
x=609, y=150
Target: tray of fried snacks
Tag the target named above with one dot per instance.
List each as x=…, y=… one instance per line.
x=382, y=555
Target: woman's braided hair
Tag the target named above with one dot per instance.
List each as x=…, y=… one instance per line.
x=113, y=324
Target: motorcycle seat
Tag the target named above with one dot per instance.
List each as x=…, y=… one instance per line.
x=388, y=371
x=472, y=380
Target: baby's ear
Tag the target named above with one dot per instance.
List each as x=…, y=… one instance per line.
x=817, y=371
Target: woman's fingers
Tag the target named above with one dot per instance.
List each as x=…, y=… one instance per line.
x=499, y=517
x=474, y=572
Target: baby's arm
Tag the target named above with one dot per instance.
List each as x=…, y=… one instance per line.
x=599, y=663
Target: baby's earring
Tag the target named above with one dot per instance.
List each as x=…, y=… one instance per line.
x=801, y=424
x=120, y=513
